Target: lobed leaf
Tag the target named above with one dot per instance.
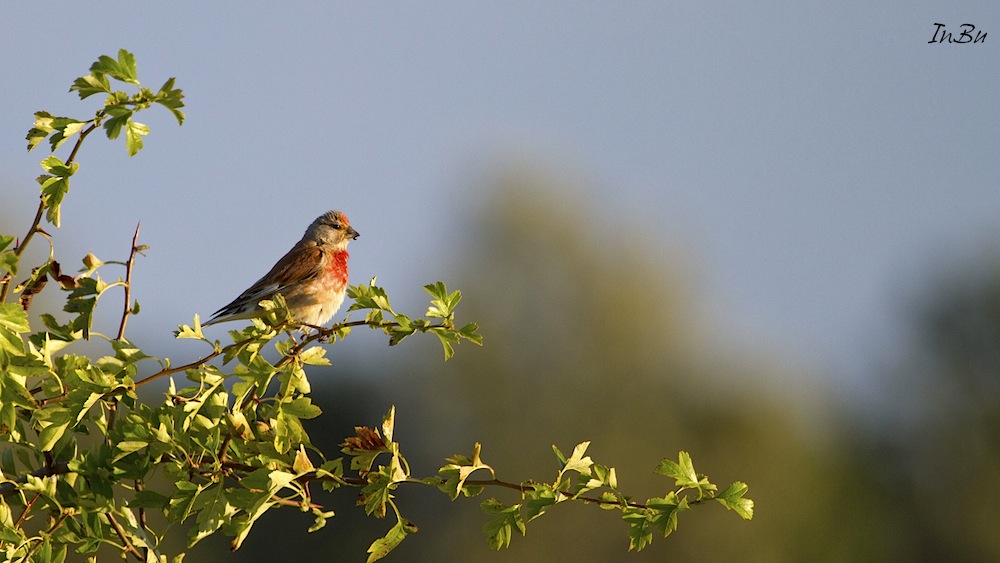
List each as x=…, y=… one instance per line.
x=134, y=133
x=122, y=69
x=382, y=546
x=172, y=99
x=506, y=520
x=733, y=499
x=87, y=86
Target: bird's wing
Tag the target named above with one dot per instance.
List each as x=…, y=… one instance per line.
x=301, y=263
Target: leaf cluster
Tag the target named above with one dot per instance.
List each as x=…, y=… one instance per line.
x=119, y=106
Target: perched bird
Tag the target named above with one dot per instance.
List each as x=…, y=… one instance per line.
x=312, y=276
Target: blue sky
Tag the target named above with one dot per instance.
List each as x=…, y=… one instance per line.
x=817, y=163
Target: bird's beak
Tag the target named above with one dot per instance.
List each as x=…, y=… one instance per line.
x=352, y=234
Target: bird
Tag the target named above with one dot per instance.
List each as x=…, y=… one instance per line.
x=312, y=276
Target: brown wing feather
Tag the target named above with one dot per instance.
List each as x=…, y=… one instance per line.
x=302, y=262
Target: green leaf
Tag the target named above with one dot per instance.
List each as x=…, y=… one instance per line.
x=640, y=533
x=82, y=407
x=301, y=407
x=459, y=470
x=120, y=115
x=733, y=499
x=578, y=461
x=506, y=519
x=378, y=492
x=56, y=167
x=216, y=511
x=8, y=259
x=54, y=189
x=87, y=86
x=14, y=318
x=389, y=423
x=149, y=499
x=42, y=128
x=10, y=342
x=443, y=303
x=123, y=69
x=664, y=512
x=538, y=500
x=369, y=297
x=133, y=137
x=8, y=532
x=382, y=546
x=609, y=498
x=288, y=433
x=128, y=446
x=314, y=356
x=448, y=338
x=606, y=475
x=64, y=129
x=51, y=433
x=470, y=332
x=320, y=521
x=171, y=98
x=684, y=473
x=55, y=185
x=437, y=290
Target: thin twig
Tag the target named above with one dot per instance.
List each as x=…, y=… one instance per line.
x=121, y=534
x=290, y=502
x=110, y=419
x=224, y=448
x=55, y=526
x=128, y=284
x=142, y=511
x=83, y=135
x=170, y=371
x=520, y=487
x=27, y=508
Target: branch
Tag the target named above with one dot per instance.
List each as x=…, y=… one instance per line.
x=55, y=526
x=83, y=135
x=520, y=487
x=121, y=534
x=27, y=508
x=322, y=334
x=128, y=284
x=526, y=488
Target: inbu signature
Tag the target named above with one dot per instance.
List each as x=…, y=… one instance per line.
x=942, y=35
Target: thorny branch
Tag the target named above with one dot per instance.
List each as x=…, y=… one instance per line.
x=136, y=249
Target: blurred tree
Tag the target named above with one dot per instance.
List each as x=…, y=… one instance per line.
x=947, y=432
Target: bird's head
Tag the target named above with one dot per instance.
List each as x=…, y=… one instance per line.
x=331, y=229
